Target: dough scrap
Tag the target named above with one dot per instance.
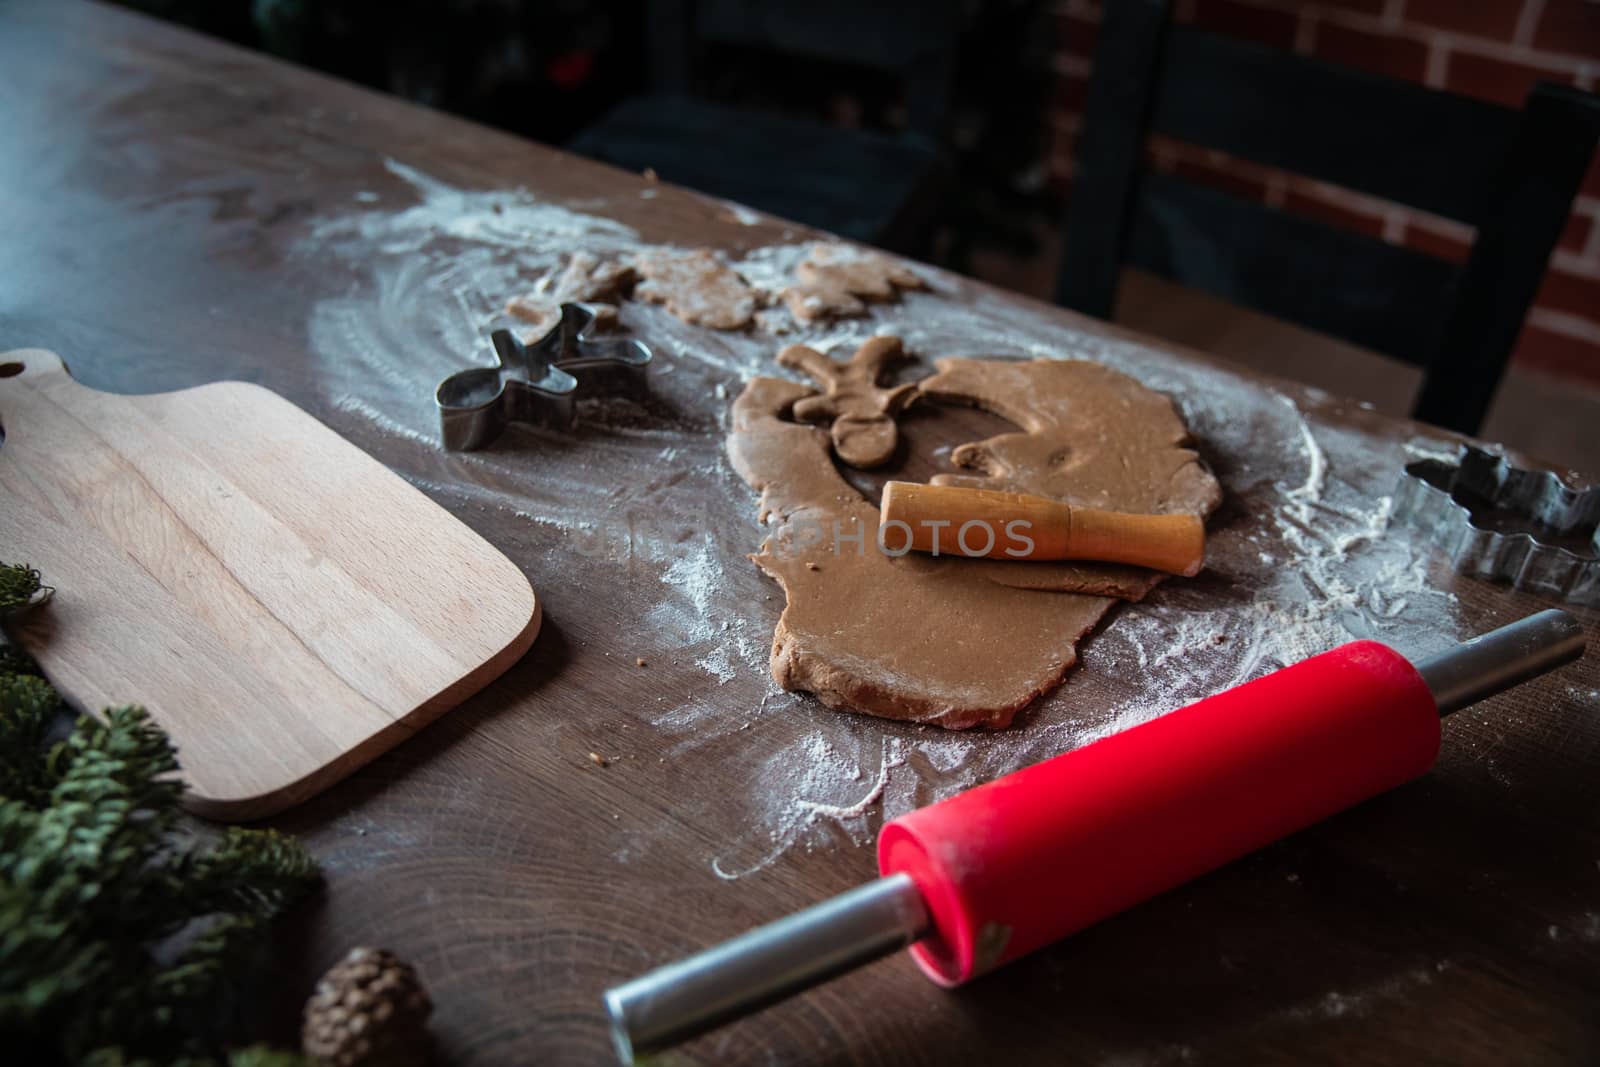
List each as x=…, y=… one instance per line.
x=953, y=641
x=587, y=279
x=861, y=411
x=702, y=289
x=836, y=281
x=1090, y=436
x=696, y=286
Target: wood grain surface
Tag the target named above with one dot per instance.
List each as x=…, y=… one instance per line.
x=176, y=212
x=284, y=605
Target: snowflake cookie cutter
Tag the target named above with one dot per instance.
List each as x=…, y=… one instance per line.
x=539, y=381
x=1506, y=523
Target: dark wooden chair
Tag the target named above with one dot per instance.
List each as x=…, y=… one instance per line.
x=874, y=187
x=1512, y=174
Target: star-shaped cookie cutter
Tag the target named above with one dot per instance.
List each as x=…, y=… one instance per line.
x=538, y=382
x=1506, y=523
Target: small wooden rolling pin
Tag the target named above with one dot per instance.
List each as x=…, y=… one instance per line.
x=949, y=520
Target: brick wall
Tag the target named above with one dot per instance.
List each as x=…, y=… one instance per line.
x=1494, y=49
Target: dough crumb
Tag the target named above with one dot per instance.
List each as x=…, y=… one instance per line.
x=640, y=661
x=598, y=760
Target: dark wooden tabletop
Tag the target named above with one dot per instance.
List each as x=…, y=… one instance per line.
x=174, y=211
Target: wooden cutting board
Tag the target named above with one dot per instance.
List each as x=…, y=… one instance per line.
x=285, y=606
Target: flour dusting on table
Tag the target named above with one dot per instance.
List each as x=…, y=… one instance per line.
x=1301, y=557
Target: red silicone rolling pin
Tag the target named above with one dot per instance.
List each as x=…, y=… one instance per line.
x=975, y=881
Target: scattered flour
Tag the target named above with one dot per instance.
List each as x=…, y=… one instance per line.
x=820, y=769
x=719, y=650
x=1337, y=1005
x=513, y=220
x=771, y=268
x=858, y=809
x=742, y=215
x=1302, y=561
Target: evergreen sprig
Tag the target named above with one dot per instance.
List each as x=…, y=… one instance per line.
x=20, y=587
x=119, y=940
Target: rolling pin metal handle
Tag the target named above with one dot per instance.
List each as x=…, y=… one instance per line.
x=674, y=1003
x=683, y=999
x=1491, y=663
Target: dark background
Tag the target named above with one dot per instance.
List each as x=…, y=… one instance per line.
x=546, y=69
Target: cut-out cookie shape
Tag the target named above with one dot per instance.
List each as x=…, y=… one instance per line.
x=538, y=381
x=836, y=281
x=1506, y=523
x=862, y=411
x=587, y=279
x=953, y=641
x=696, y=286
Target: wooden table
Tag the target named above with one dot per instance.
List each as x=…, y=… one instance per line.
x=173, y=211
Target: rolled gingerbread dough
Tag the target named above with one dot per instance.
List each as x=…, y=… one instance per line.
x=952, y=641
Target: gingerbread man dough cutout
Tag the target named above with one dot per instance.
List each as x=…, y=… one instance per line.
x=862, y=411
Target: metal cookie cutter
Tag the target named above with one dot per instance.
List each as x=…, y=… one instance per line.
x=538, y=382
x=1503, y=522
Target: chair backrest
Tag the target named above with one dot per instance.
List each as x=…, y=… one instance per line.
x=1512, y=174
x=915, y=41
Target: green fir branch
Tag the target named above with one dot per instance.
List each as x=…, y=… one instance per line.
x=21, y=588
x=119, y=938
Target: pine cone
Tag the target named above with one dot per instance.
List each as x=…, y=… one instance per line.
x=369, y=1010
